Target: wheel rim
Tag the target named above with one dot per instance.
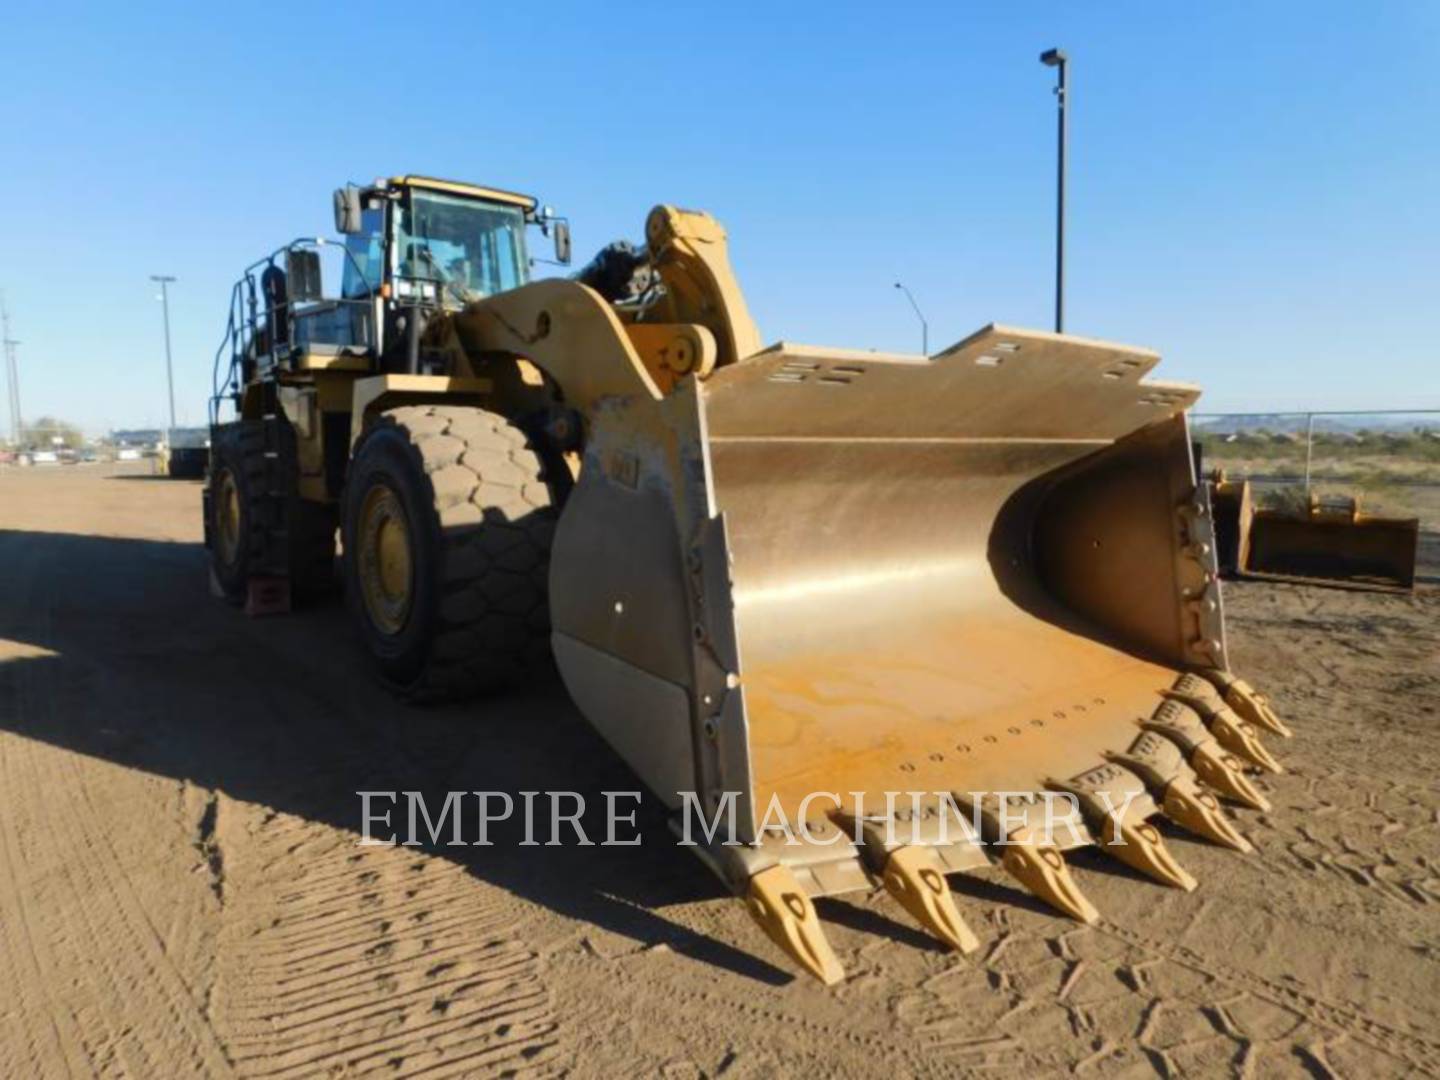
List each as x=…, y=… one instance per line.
x=227, y=517
x=384, y=560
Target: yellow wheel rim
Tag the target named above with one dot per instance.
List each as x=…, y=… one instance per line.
x=386, y=569
x=227, y=517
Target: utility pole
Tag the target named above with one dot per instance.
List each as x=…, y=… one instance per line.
x=12, y=375
x=924, y=326
x=165, y=280
x=1057, y=59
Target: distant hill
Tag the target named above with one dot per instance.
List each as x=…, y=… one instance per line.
x=1295, y=423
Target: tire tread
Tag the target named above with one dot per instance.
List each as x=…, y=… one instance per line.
x=496, y=520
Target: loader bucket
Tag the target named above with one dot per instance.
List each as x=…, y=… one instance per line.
x=1327, y=542
x=1335, y=546
x=961, y=572
x=825, y=576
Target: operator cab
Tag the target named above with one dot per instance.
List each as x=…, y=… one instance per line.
x=417, y=245
x=414, y=248
x=438, y=241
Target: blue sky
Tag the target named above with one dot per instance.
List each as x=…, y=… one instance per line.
x=1255, y=188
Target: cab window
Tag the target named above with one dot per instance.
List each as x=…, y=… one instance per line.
x=472, y=248
x=364, y=269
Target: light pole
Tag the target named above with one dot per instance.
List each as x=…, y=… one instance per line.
x=924, y=326
x=164, y=280
x=1057, y=59
x=12, y=375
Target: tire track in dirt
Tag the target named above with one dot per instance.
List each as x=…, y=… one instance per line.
x=1360, y=831
x=368, y=960
x=1046, y=1000
x=37, y=1032
x=1416, y=1051
x=106, y=971
x=1036, y=998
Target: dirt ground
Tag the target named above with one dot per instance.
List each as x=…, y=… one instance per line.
x=181, y=892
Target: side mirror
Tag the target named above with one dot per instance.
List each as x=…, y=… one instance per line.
x=562, y=242
x=347, y=210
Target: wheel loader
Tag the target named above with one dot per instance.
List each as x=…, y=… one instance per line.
x=864, y=592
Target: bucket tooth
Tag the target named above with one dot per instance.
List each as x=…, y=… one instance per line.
x=1240, y=739
x=1154, y=758
x=1233, y=733
x=1255, y=707
x=1249, y=703
x=1041, y=869
x=1106, y=796
x=915, y=877
x=1138, y=845
x=777, y=901
x=1224, y=773
x=1160, y=762
x=1199, y=812
x=1179, y=720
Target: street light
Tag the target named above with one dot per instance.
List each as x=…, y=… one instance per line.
x=164, y=280
x=12, y=380
x=1057, y=59
x=924, y=326
x=12, y=376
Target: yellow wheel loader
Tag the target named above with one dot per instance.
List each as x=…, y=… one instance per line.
x=863, y=614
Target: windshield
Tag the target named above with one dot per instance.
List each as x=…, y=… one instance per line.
x=476, y=248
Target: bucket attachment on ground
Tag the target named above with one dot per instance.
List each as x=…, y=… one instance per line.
x=1328, y=542
x=821, y=577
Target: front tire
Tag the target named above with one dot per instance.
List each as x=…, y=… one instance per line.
x=448, y=522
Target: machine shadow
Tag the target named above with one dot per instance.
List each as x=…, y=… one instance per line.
x=142, y=668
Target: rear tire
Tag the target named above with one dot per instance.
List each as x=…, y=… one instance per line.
x=448, y=522
x=252, y=532
x=234, y=527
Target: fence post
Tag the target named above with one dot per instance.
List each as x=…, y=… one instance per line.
x=1309, y=449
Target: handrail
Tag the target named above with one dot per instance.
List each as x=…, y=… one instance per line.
x=242, y=327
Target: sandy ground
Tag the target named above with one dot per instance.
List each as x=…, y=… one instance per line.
x=181, y=891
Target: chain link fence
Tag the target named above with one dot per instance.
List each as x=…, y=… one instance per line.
x=1389, y=460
